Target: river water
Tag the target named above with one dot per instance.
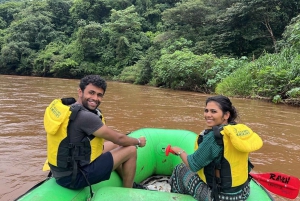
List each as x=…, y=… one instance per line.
x=129, y=107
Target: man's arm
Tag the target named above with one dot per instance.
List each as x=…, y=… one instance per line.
x=118, y=138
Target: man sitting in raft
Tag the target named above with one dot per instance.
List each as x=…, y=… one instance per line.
x=81, y=149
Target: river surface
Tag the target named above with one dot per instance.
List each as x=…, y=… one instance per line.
x=129, y=107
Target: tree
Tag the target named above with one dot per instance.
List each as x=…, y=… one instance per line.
x=291, y=35
x=60, y=15
x=90, y=10
x=183, y=70
x=7, y=12
x=126, y=39
x=37, y=30
x=88, y=41
x=11, y=56
x=189, y=19
x=44, y=63
x=252, y=26
x=30, y=31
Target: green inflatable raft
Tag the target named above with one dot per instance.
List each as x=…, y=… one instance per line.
x=151, y=161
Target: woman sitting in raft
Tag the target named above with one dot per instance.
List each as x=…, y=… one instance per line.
x=219, y=167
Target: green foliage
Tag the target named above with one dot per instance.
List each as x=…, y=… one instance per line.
x=32, y=25
x=11, y=55
x=127, y=20
x=272, y=75
x=193, y=13
x=291, y=35
x=222, y=68
x=171, y=46
x=89, y=40
x=277, y=73
x=47, y=58
x=60, y=15
x=2, y=23
x=4, y=1
x=277, y=99
x=2, y=37
x=89, y=68
x=183, y=70
x=65, y=69
x=250, y=27
x=140, y=73
x=294, y=93
x=146, y=64
x=192, y=20
x=239, y=83
x=190, y=45
x=271, y=81
x=25, y=66
x=7, y=12
x=120, y=4
x=130, y=74
x=125, y=39
x=213, y=74
x=146, y=71
x=90, y=10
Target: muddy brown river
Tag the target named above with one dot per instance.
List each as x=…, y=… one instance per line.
x=129, y=107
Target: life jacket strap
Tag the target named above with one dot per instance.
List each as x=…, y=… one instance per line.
x=218, y=136
x=216, y=187
x=76, y=167
x=75, y=109
x=87, y=181
x=68, y=101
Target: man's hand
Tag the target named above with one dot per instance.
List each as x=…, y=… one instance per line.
x=142, y=141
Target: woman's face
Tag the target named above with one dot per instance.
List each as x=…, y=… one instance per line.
x=214, y=116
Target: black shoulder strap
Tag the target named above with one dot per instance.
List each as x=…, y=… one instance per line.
x=75, y=109
x=216, y=172
x=68, y=101
x=218, y=136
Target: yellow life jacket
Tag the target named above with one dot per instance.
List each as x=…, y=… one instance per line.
x=238, y=141
x=59, y=149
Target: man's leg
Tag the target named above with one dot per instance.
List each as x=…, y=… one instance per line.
x=126, y=158
x=108, y=146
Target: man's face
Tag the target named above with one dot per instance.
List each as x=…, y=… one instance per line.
x=91, y=97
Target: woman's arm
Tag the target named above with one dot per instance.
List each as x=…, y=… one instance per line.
x=205, y=154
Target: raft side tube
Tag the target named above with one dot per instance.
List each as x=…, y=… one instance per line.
x=118, y=193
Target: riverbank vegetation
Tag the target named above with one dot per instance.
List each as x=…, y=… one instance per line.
x=241, y=48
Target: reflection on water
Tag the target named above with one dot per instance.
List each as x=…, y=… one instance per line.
x=126, y=108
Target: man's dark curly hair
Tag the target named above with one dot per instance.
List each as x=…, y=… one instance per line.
x=95, y=80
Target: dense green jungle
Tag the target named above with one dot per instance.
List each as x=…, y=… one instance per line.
x=238, y=48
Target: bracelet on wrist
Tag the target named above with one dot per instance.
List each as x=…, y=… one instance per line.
x=180, y=152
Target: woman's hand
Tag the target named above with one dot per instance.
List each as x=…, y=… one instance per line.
x=178, y=151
